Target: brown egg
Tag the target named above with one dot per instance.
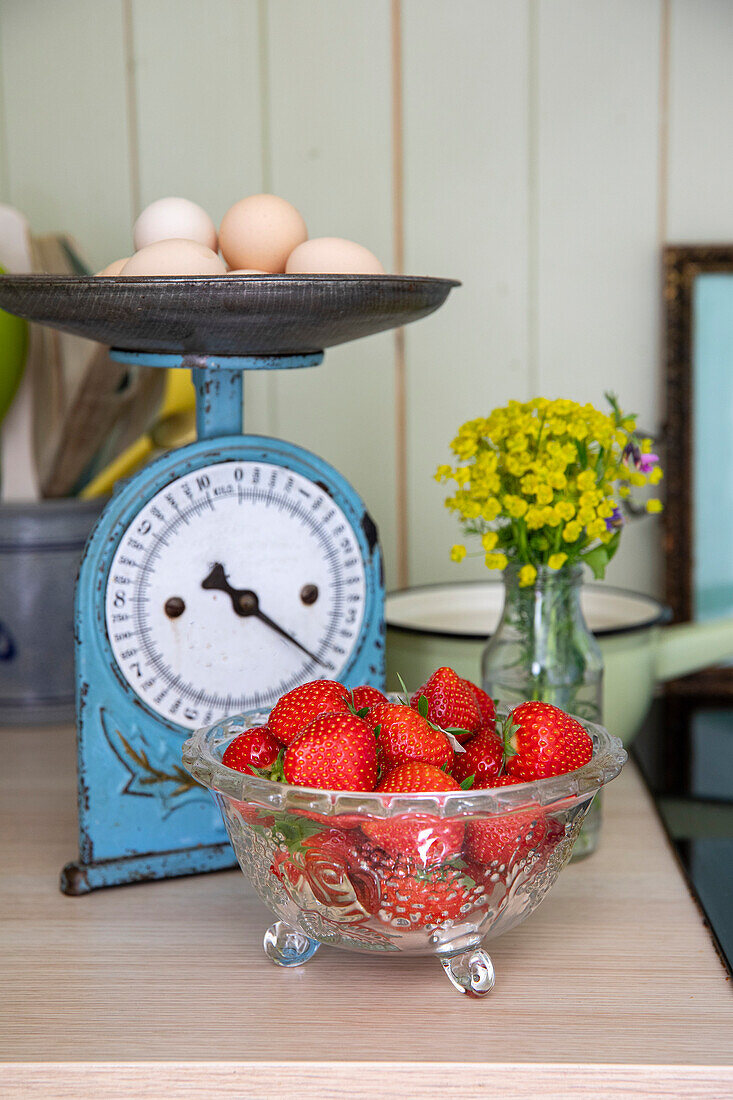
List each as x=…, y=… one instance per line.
x=114, y=268
x=175, y=257
x=260, y=232
x=332, y=256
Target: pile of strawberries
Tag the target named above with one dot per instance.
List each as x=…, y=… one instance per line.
x=323, y=735
x=410, y=871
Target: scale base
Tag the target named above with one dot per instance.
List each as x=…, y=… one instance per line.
x=81, y=878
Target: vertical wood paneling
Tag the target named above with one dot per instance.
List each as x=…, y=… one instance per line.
x=330, y=147
x=199, y=122
x=598, y=281
x=700, y=155
x=466, y=205
x=63, y=73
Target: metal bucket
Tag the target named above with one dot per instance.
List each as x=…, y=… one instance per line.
x=41, y=545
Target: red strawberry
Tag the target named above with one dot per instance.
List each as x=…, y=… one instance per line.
x=419, y=898
x=405, y=735
x=485, y=703
x=543, y=740
x=421, y=838
x=337, y=751
x=482, y=759
x=255, y=748
x=297, y=708
x=366, y=696
x=507, y=839
x=451, y=701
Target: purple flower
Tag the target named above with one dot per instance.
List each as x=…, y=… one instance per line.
x=647, y=462
x=614, y=520
x=631, y=451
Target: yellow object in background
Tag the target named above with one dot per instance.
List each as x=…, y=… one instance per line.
x=175, y=426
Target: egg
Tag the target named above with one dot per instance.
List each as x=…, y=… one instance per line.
x=175, y=257
x=114, y=268
x=260, y=232
x=247, y=271
x=332, y=256
x=177, y=218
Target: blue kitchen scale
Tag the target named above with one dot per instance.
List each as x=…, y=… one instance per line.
x=222, y=574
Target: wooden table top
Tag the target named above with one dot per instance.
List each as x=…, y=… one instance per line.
x=163, y=988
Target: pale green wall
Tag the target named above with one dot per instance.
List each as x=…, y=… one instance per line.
x=549, y=147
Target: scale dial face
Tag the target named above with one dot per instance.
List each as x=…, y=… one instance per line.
x=232, y=585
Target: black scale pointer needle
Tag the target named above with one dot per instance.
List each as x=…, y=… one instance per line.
x=246, y=603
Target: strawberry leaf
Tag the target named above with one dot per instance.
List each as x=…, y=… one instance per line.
x=362, y=713
x=423, y=706
x=467, y=783
x=406, y=700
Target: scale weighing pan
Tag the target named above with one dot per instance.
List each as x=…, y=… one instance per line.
x=220, y=315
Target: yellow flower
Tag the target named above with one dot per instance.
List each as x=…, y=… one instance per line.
x=596, y=528
x=527, y=575
x=496, y=561
x=458, y=553
x=557, y=479
x=646, y=446
x=491, y=509
x=462, y=475
x=534, y=519
x=515, y=506
x=565, y=510
x=442, y=473
x=572, y=531
x=656, y=475
x=637, y=478
x=586, y=515
x=556, y=561
x=544, y=494
x=654, y=505
x=489, y=540
x=623, y=491
x=605, y=509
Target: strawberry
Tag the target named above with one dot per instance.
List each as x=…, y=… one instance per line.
x=297, y=708
x=405, y=735
x=337, y=751
x=542, y=740
x=451, y=702
x=255, y=748
x=482, y=759
x=413, y=897
x=421, y=838
x=366, y=696
x=485, y=704
x=507, y=839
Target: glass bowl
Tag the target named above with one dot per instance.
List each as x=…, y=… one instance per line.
x=422, y=874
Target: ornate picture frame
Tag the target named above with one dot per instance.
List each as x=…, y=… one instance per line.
x=682, y=266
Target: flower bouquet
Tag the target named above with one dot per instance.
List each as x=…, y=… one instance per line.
x=544, y=485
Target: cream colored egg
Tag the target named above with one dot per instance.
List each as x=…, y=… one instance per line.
x=175, y=257
x=177, y=218
x=248, y=271
x=114, y=268
x=332, y=256
x=260, y=232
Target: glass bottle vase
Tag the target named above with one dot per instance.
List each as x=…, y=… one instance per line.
x=542, y=649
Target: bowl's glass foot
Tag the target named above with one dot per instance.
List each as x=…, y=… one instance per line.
x=286, y=946
x=470, y=972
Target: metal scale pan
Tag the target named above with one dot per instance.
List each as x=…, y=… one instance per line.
x=258, y=315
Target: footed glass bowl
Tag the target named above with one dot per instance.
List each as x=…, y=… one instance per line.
x=423, y=874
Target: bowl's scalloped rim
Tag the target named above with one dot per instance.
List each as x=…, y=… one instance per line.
x=201, y=755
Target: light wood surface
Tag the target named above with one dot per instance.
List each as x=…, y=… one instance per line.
x=612, y=986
